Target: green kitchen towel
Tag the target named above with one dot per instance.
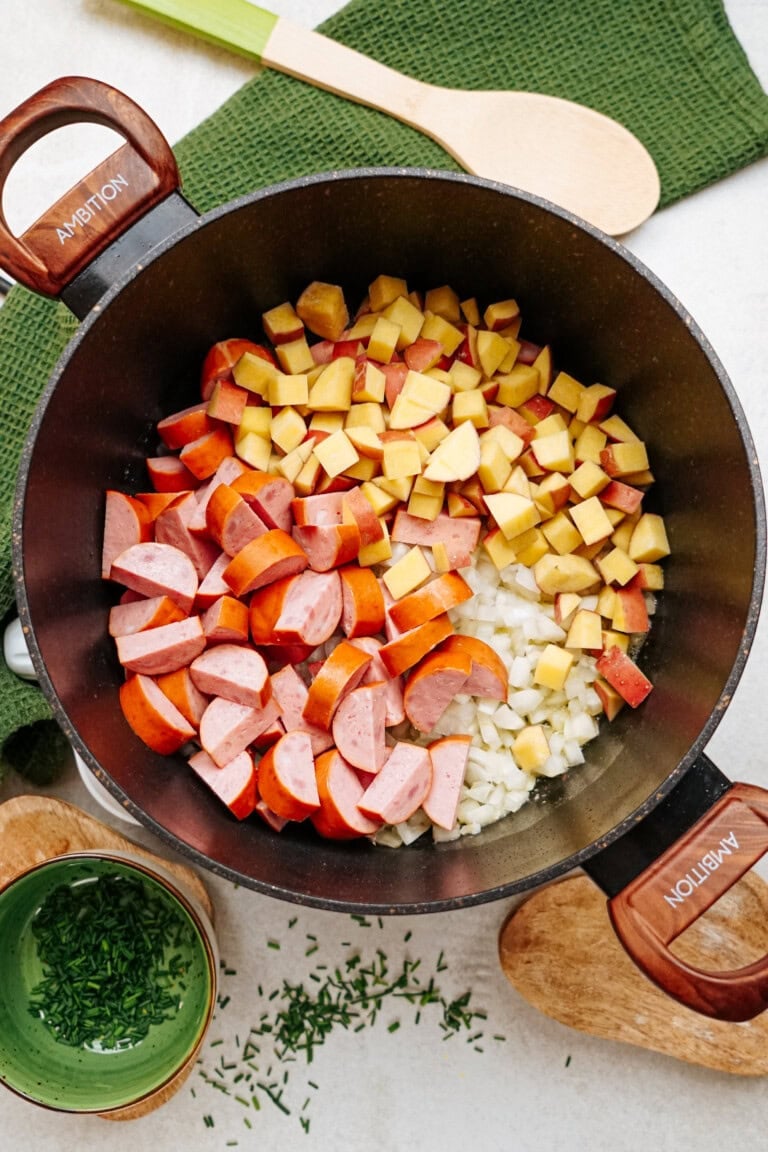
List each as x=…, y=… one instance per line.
x=672, y=71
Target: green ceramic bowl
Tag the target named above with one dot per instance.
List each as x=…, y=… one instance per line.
x=90, y=1076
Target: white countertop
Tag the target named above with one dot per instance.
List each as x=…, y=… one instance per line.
x=543, y=1087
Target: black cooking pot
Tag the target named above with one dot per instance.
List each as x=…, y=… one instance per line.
x=649, y=817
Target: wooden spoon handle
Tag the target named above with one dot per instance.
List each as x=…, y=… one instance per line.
x=100, y=207
x=655, y=908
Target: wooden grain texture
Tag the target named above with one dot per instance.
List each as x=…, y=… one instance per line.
x=560, y=953
x=36, y=828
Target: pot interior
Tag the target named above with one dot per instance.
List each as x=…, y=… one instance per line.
x=607, y=319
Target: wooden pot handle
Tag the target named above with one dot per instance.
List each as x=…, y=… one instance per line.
x=678, y=887
x=105, y=203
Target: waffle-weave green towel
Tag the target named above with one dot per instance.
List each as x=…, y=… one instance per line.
x=672, y=71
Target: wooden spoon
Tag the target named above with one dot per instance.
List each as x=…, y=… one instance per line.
x=559, y=951
x=569, y=154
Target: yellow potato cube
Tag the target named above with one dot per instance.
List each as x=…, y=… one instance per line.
x=569, y=573
x=530, y=748
x=552, y=667
x=518, y=385
x=323, y=309
x=513, y=513
x=492, y=350
x=326, y=421
x=363, y=326
x=436, y=328
x=618, y=429
x=295, y=357
x=622, y=534
x=589, y=443
x=365, y=440
x=254, y=450
x=566, y=606
x=471, y=312
x=470, y=406
x=364, y=469
x=401, y=458
x=613, y=639
x=463, y=377
x=543, y=366
x=407, y=574
x=510, y=359
x=282, y=323
x=566, y=391
x=519, y=482
x=554, y=452
x=500, y=314
x=591, y=520
x=510, y=443
x=383, y=340
x=332, y=390
x=429, y=435
x=495, y=468
x=586, y=631
x=440, y=374
x=408, y=318
x=309, y=476
x=336, y=453
x=255, y=419
x=287, y=429
x=457, y=457
x=423, y=506
x=652, y=576
x=426, y=391
x=499, y=549
x=254, y=373
x=589, y=479
x=399, y=487
x=288, y=390
x=530, y=547
x=291, y=465
x=629, y=457
x=606, y=602
x=406, y=413
x=649, y=540
x=384, y=290
x=595, y=399
x=366, y=415
x=381, y=501
x=377, y=552
x=370, y=386
x=617, y=567
x=444, y=302
x=561, y=533
x=440, y=557
x=549, y=425
x=428, y=487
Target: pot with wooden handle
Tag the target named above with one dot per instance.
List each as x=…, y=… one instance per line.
x=649, y=817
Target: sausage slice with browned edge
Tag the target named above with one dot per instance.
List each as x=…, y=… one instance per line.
x=152, y=716
x=358, y=727
x=157, y=570
x=234, y=783
x=449, y=761
x=339, y=789
x=286, y=777
x=433, y=684
x=163, y=649
x=337, y=675
x=400, y=787
x=235, y=672
x=226, y=728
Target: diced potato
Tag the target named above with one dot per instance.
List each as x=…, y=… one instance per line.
x=518, y=385
x=399, y=487
x=381, y=501
x=530, y=547
x=552, y=667
x=378, y=551
x=366, y=415
x=566, y=391
x=586, y=631
x=530, y=748
x=495, y=468
x=256, y=419
x=500, y=314
x=332, y=390
x=519, y=482
x=513, y=513
x=470, y=311
x=427, y=392
x=369, y=384
x=595, y=402
x=295, y=356
x=543, y=366
x=291, y=465
x=499, y=549
x=463, y=377
x=428, y=487
x=254, y=373
x=561, y=533
x=554, y=452
x=470, y=406
x=364, y=469
x=509, y=442
x=591, y=520
x=441, y=557
x=617, y=429
x=606, y=601
x=444, y=302
x=492, y=350
x=408, y=318
x=436, y=328
x=254, y=449
x=590, y=443
x=626, y=458
x=589, y=479
x=407, y=574
x=384, y=290
x=282, y=323
x=401, y=458
x=407, y=413
x=649, y=540
x=431, y=433
x=288, y=390
x=548, y=425
x=457, y=456
x=565, y=574
x=326, y=421
x=423, y=506
x=287, y=429
x=307, y=479
x=513, y=351
x=323, y=309
x=336, y=453
x=617, y=567
x=366, y=441
x=383, y=340
x=363, y=326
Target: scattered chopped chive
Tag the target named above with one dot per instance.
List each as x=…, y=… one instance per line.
x=274, y=944
x=292, y=921
x=393, y=1027
x=567, y=1062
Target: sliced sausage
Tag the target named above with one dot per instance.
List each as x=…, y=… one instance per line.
x=126, y=521
x=156, y=502
x=269, y=496
x=339, y=789
x=291, y=692
x=311, y=609
x=138, y=614
x=358, y=510
x=172, y=527
x=275, y=822
x=323, y=509
x=227, y=472
x=235, y=672
x=157, y=570
x=362, y=607
x=162, y=649
x=169, y=474
x=439, y=595
x=328, y=545
x=226, y=728
x=377, y=671
x=226, y=621
x=264, y=608
x=358, y=727
x=488, y=677
x=449, y=761
x=270, y=735
x=203, y=456
x=213, y=585
x=459, y=534
x=400, y=787
x=268, y=558
x=152, y=716
x=405, y=650
x=286, y=777
x=234, y=783
x=180, y=689
x=433, y=684
x=231, y=522
x=182, y=427
x=339, y=674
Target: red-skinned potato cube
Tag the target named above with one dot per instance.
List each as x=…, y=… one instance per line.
x=630, y=613
x=623, y=674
